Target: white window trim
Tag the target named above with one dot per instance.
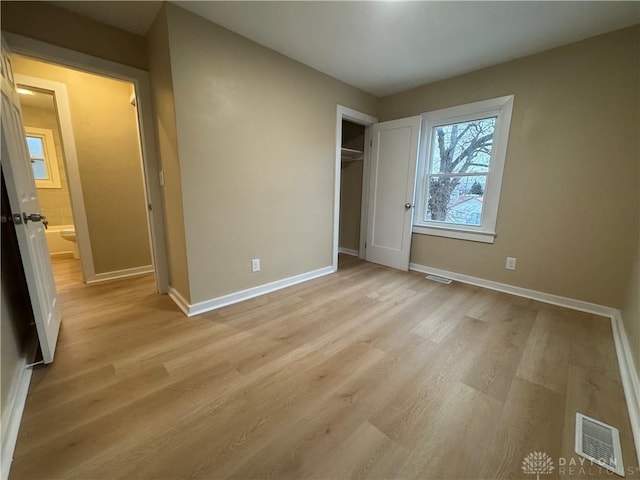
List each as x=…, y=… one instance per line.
x=50, y=157
x=501, y=108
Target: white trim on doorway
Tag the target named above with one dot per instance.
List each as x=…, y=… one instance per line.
x=349, y=251
x=116, y=274
x=345, y=113
x=81, y=61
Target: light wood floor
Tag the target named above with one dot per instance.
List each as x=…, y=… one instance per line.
x=367, y=373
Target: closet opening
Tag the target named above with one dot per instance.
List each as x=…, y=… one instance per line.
x=351, y=179
x=353, y=137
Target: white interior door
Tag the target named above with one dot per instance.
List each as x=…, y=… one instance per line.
x=21, y=188
x=392, y=174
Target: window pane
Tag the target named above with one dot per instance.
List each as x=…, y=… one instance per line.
x=456, y=200
x=36, y=147
x=39, y=170
x=462, y=147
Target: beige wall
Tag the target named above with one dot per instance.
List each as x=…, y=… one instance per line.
x=108, y=149
x=256, y=136
x=55, y=203
x=162, y=91
x=73, y=31
x=569, y=202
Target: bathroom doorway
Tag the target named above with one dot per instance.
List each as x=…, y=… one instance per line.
x=83, y=138
x=44, y=144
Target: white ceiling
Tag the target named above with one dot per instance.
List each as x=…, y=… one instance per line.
x=387, y=47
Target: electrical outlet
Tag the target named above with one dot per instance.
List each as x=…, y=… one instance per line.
x=255, y=265
x=511, y=263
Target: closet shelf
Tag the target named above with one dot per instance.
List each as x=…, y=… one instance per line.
x=351, y=155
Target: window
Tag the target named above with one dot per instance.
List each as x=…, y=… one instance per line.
x=42, y=152
x=460, y=170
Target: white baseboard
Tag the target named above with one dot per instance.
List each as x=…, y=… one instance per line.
x=518, y=291
x=349, y=251
x=127, y=272
x=628, y=372
x=179, y=300
x=218, y=302
x=61, y=254
x=13, y=410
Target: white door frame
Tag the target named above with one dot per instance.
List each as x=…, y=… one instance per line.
x=345, y=113
x=140, y=79
x=80, y=223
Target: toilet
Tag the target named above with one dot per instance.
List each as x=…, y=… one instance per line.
x=69, y=234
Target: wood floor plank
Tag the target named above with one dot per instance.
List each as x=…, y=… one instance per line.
x=227, y=423
x=366, y=373
x=454, y=442
x=590, y=347
x=402, y=419
x=443, y=318
x=70, y=453
x=532, y=420
x=95, y=404
x=355, y=456
x=494, y=369
x=545, y=360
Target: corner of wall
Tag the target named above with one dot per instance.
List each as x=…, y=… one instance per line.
x=159, y=52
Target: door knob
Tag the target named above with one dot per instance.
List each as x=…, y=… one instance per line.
x=35, y=217
x=407, y=206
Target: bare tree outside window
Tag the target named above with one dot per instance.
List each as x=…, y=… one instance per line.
x=460, y=157
x=460, y=168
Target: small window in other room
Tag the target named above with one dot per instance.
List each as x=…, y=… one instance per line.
x=460, y=170
x=42, y=153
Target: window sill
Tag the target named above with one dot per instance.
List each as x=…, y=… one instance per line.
x=458, y=233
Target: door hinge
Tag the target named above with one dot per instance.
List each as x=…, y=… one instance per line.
x=365, y=244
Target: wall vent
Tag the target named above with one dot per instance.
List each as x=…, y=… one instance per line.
x=600, y=443
x=436, y=278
